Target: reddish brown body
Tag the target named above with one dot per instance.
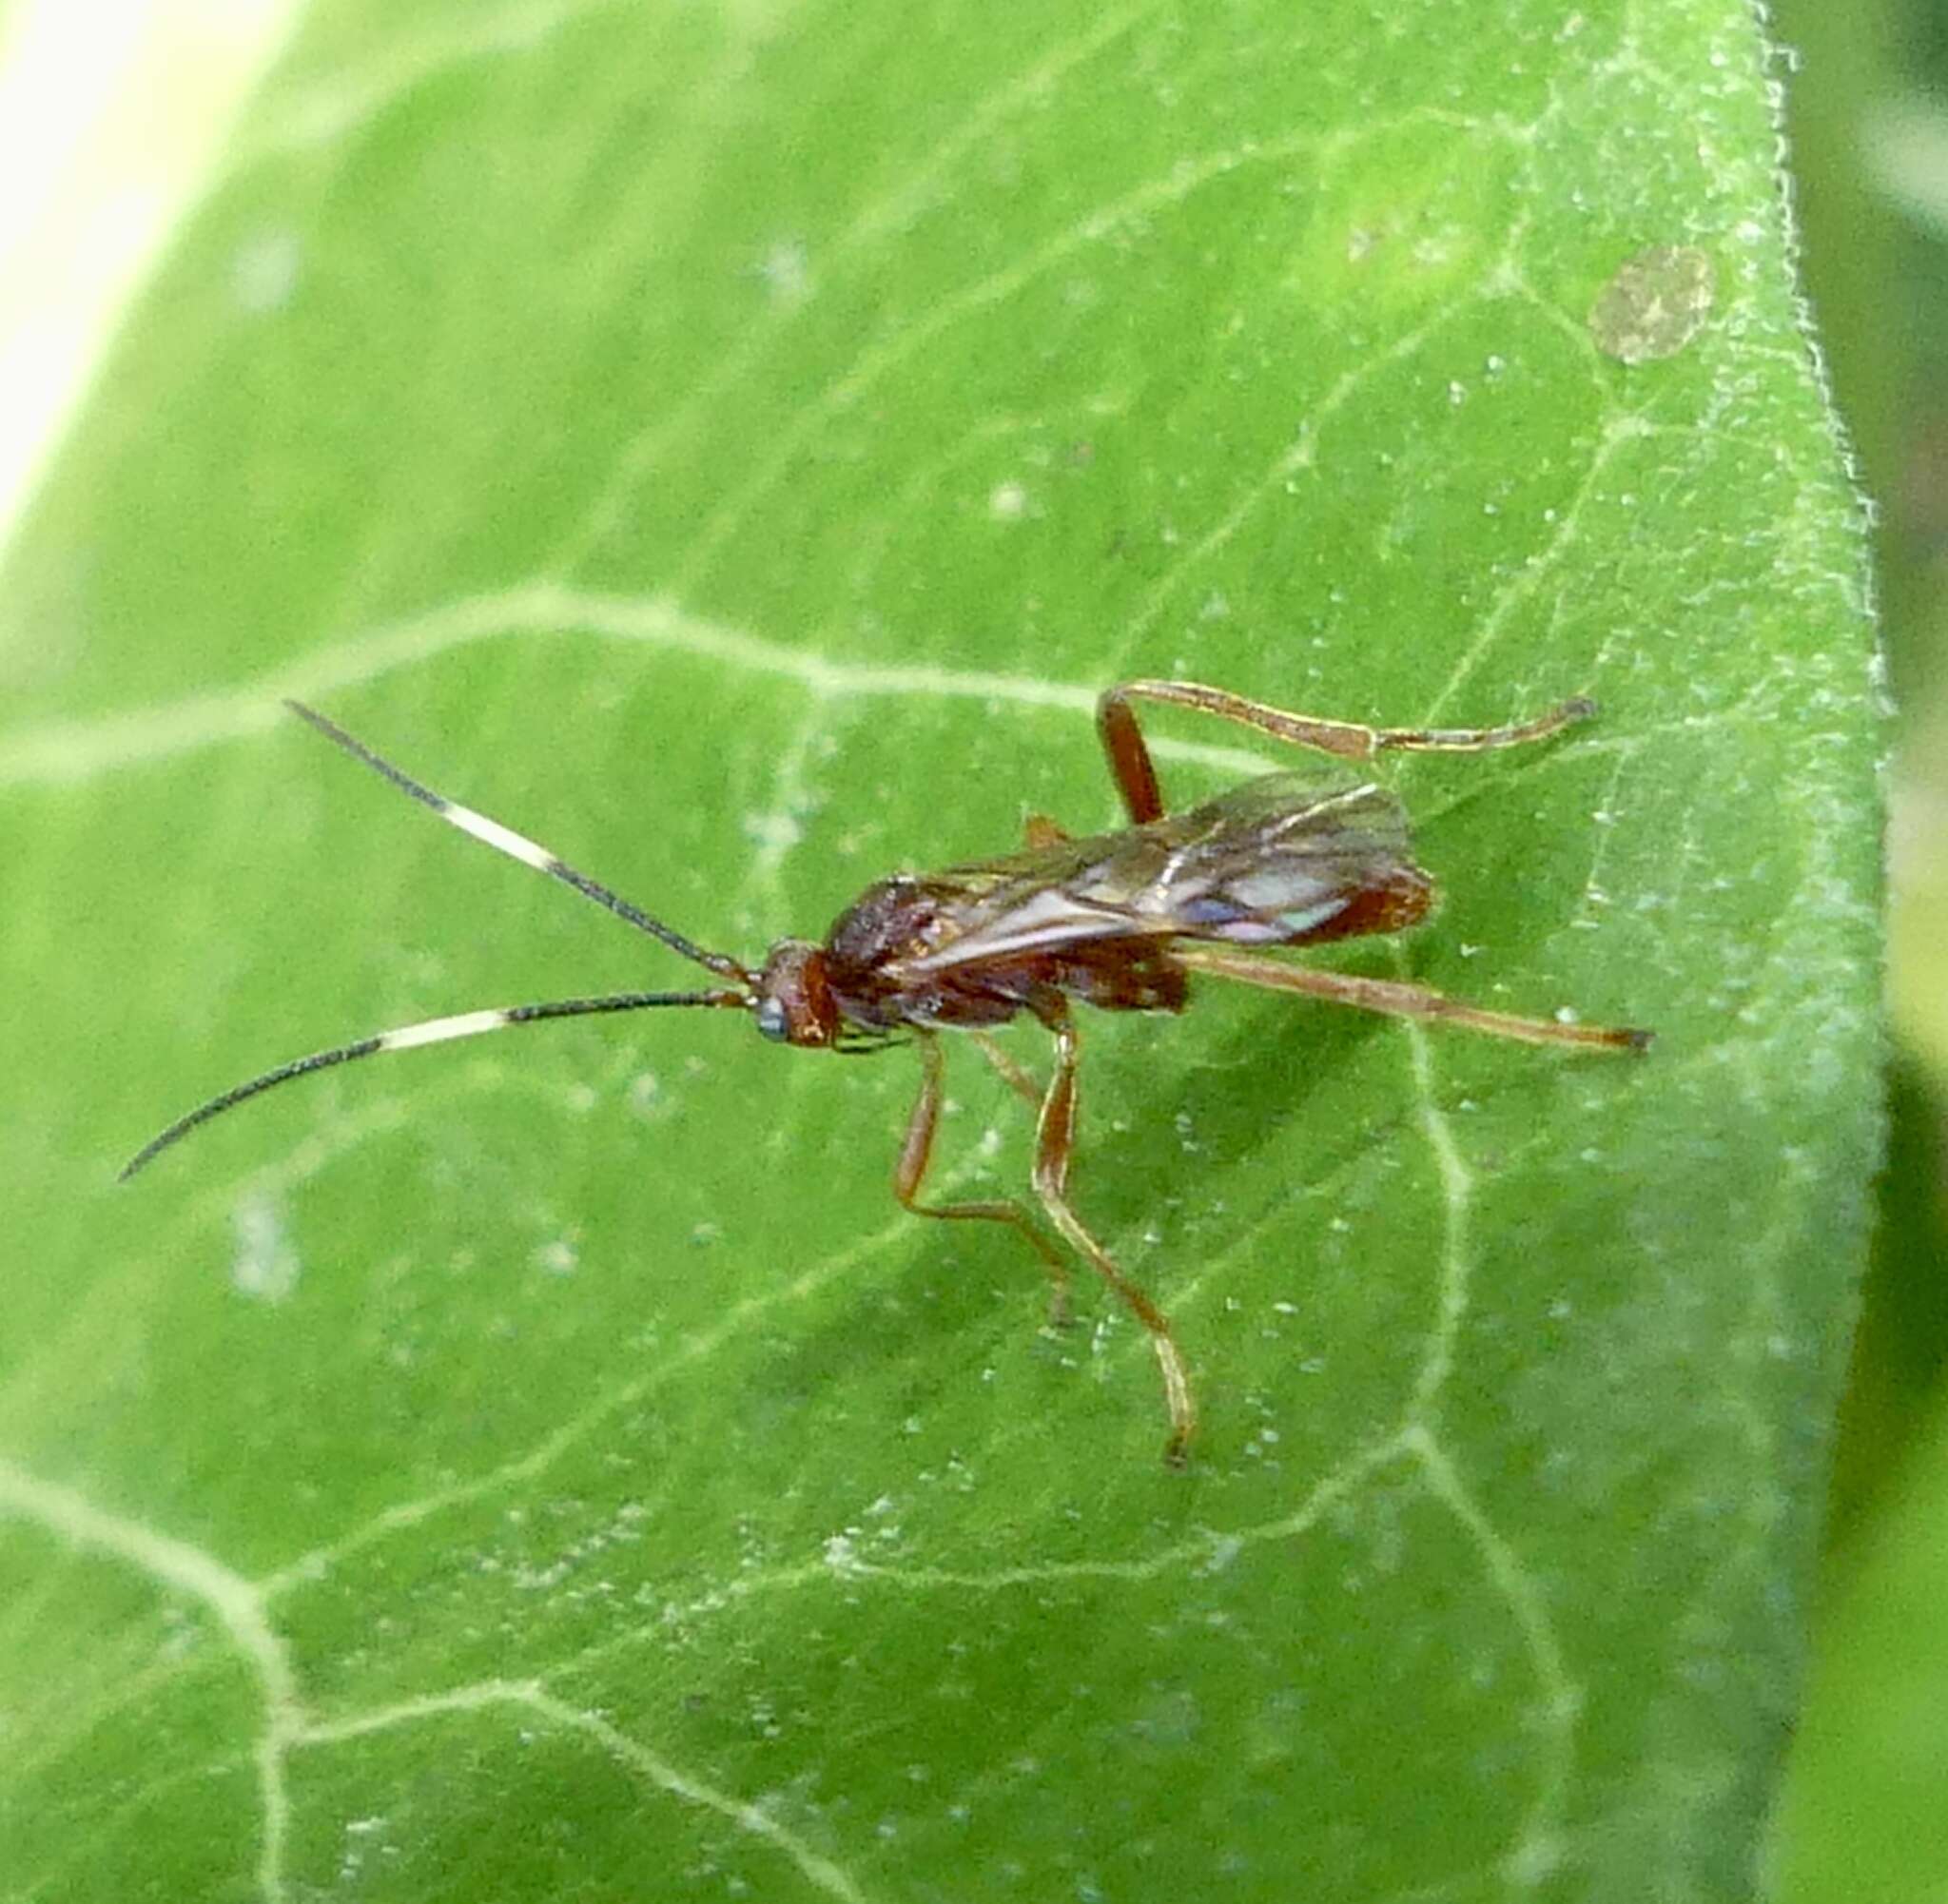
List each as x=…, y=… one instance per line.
x=1288, y=860
x=1093, y=919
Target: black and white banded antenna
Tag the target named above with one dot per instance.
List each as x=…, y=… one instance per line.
x=740, y=995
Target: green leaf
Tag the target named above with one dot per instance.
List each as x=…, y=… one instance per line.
x=734, y=446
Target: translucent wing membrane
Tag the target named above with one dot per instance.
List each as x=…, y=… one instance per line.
x=1275, y=862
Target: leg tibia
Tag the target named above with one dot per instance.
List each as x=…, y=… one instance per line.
x=1135, y=775
x=1401, y=1001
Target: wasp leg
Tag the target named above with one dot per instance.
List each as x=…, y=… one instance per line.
x=916, y=1148
x=1040, y=830
x=1400, y=1001
x=1135, y=775
x=1054, y=1145
x=1017, y=1080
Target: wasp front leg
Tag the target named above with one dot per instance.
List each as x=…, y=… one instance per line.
x=916, y=1151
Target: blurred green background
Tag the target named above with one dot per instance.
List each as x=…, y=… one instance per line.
x=1865, y=1812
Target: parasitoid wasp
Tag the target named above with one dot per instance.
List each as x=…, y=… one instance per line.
x=1120, y=920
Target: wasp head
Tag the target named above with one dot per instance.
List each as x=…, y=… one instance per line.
x=795, y=1003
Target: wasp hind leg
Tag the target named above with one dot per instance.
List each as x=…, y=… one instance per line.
x=1397, y=1000
x=1136, y=774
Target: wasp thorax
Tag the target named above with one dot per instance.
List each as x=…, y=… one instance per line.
x=795, y=1003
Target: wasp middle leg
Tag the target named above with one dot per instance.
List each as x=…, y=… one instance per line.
x=1136, y=774
x=1055, y=1133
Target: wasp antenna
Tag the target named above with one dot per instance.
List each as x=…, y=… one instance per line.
x=504, y=839
x=429, y=1031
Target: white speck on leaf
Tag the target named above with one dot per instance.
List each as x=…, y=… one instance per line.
x=774, y=832
x=265, y=1265
x=786, y=272
x=558, y=1257
x=263, y=272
